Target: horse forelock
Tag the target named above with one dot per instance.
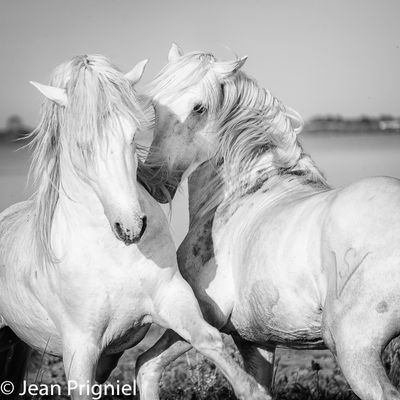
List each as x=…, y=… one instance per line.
x=179, y=75
x=98, y=95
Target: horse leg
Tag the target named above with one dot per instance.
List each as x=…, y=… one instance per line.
x=151, y=364
x=178, y=309
x=358, y=342
x=80, y=359
x=108, y=362
x=106, y=365
x=392, y=353
x=258, y=362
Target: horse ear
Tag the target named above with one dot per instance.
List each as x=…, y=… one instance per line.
x=136, y=72
x=174, y=52
x=296, y=120
x=227, y=68
x=58, y=95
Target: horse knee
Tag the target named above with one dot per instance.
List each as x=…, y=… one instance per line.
x=208, y=340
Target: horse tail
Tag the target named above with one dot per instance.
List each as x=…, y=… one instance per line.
x=14, y=357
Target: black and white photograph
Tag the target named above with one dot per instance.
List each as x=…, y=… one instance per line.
x=200, y=200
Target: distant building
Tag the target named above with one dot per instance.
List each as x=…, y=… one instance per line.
x=390, y=125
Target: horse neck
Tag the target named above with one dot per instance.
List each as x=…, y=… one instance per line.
x=239, y=181
x=197, y=182
x=277, y=183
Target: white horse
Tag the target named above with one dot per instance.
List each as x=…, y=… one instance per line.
x=274, y=255
x=83, y=273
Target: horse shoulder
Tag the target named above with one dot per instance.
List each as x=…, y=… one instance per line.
x=371, y=190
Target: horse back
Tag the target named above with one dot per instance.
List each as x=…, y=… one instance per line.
x=365, y=214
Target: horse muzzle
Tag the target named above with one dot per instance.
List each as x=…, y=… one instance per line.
x=130, y=235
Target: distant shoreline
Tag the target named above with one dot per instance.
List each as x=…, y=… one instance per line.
x=364, y=125
x=352, y=132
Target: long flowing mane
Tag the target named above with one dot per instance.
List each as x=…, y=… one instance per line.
x=257, y=141
x=251, y=124
x=98, y=94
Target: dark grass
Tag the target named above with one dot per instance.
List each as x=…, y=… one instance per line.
x=299, y=375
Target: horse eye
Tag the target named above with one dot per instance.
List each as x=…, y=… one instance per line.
x=199, y=109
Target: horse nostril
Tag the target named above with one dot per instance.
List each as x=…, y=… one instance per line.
x=144, y=225
x=118, y=229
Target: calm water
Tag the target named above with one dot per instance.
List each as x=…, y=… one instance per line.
x=343, y=159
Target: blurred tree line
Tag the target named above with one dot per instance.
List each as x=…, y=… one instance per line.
x=362, y=124
x=15, y=130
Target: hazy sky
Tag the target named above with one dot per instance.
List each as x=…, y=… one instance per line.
x=339, y=56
